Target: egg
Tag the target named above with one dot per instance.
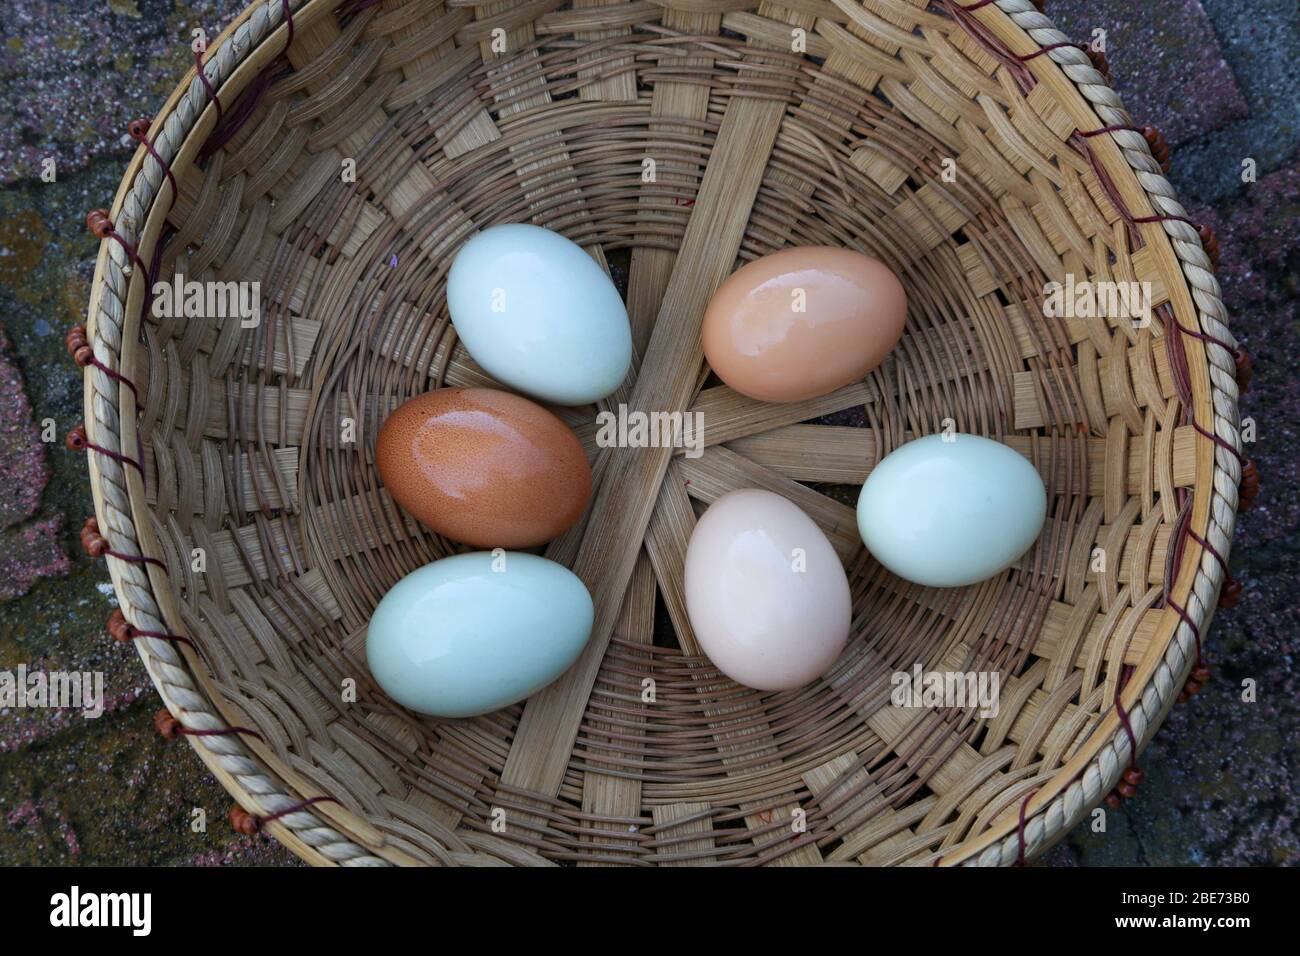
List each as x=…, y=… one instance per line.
x=476, y=632
x=803, y=322
x=539, y=314
x=484, y=467
x=946, y=513
x=766, y=593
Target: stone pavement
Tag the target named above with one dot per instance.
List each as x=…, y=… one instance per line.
x=1219, y=76
x=108, y=790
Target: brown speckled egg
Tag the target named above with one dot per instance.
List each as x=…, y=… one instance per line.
x=803, y=322
x=484, y=467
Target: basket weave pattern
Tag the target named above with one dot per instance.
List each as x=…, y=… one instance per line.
x=754, y=148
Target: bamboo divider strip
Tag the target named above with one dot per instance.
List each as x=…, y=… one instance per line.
x=539, y=751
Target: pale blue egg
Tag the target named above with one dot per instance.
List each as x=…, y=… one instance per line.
x=475, y=632
x=539, y=314
x=946, y=513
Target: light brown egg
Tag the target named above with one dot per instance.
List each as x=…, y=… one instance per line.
x=484, y=467
x=803, y=322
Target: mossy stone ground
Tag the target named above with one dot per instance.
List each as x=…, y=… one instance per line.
x=1221, y=775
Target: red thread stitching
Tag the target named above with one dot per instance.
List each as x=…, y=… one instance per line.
x=1025, y=58
x=263, y=820
x=207, y=84
x=1020, y=826
x=219, y=732
x=138, y=130
x=247, y=104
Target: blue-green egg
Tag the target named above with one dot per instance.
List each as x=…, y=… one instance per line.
x=539, y=315
x=476, y=632
x=947, y=511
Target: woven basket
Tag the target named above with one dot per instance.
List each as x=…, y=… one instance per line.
x=975, y=150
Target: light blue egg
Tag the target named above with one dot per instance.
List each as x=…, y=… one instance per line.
x=475, y=632
x=539, y=314
x=950, y=513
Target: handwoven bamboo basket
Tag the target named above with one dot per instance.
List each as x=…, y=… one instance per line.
x=233, y=514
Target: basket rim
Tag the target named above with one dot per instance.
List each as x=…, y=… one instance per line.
x=327, y=833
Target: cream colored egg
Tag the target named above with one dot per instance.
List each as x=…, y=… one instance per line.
x=766, y=593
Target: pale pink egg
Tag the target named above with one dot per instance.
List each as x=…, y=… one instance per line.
x=766, y=593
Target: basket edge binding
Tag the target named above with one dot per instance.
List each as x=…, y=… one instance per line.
x=319, y=840
x=243, y=774
x=1104, y=771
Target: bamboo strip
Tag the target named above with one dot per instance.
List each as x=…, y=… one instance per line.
x=695, y=820
x=539, y=751
x=604, y=794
